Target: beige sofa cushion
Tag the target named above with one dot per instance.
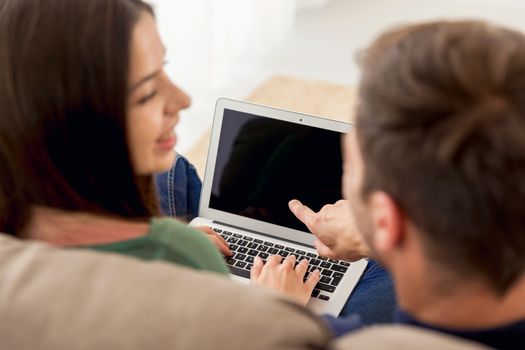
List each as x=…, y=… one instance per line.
x=54, y=299
x=399, y=337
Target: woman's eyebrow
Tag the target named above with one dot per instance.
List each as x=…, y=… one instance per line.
x=143, y=80
x=148, y=77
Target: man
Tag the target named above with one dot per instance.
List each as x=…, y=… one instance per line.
x=434, y=176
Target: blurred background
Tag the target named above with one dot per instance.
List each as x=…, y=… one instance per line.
x=226, y=48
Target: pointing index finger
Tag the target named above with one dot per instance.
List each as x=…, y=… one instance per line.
x=302, y=212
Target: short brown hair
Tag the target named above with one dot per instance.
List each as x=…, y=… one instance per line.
x=441, y=127
x=64, y=68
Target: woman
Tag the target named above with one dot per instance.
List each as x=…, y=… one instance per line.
x=86, y=118
x=87, y=115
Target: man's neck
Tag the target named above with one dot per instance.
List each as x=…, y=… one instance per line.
x=460, y=304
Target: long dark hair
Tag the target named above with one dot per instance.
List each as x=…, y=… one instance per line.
x=64, y=68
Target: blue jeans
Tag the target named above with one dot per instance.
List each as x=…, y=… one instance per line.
x=179, y=190
x=373, y=299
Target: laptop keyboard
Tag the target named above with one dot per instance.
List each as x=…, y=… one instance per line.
x=246, y=248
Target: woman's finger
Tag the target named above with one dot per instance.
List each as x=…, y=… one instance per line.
x=274, y=260
x=256, y=269
x=223, y=248
x=209, y=231
x=288, y=263
x=312, y=280
x=301, y=268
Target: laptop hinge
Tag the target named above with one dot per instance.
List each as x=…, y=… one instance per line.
x=264, y=234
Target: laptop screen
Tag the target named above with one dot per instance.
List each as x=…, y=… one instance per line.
x=263, y=163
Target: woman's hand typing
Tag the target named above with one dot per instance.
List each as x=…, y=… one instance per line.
x=282, y=277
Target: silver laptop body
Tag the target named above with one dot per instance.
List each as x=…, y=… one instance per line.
x=260, y=158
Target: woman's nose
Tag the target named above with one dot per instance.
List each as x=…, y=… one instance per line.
x=177, y=101
x=183, y=99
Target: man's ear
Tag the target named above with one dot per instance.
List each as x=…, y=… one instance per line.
x=387, y=220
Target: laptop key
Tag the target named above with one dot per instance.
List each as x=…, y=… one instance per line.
x=322, y=258
x=337, y=275
x=234, y=247
x=315, y=262
x=253, y=252
x=273, y=251
x=239, y=272
x=324, y=279
x=288, y=249
x=240, y=256
x=236, y=235
x=242, y=243
x=333, y=261
x=268, y=244
x=339, y=268
x=278, y=246
x=230, y=261
x=246, y=238
x=335, y=281
x=258, y=241
x=344, y=263
x=218, y=230
x=262, y=248
x=249, y=259
x=263, y=255
x=232, y=240
x=242, y=250
x=311, y=255
x=283, y=253
x=301, y=252
x=252, y=245
x=326, y=265
x=326, y=273
x=240, y=264
x=315, y=293
x=324, y=297
x=249, y=267
x=325, y=287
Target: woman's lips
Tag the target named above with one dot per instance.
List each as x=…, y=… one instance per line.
x=167, y=143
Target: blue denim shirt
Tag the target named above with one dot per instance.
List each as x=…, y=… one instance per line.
x=179, y=190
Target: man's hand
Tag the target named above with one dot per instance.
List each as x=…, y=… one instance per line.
x=217, y=240
x=335, y=229
x=283, y=278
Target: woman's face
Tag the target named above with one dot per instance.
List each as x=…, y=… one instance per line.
x=153, y=103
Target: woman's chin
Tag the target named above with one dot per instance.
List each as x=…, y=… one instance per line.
x=161, y=164
x=168, y=162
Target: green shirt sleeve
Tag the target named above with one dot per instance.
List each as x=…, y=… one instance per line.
x=170, y=240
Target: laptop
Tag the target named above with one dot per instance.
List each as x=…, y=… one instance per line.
x=258, y=160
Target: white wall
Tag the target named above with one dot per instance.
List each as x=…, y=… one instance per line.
x=228, y=47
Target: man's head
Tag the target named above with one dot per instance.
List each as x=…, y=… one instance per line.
x=438, y=156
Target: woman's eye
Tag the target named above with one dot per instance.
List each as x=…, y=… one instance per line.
x=147, y=97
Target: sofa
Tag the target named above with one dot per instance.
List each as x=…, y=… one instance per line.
x=58, y=299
